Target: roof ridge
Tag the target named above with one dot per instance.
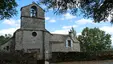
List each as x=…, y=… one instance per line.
x=60, y=34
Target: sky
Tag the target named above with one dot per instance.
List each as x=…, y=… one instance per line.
x=60, y=24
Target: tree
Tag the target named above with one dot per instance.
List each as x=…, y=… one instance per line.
x=94, y=40
x=98, y=10
x=4, y=39
x=7, y=9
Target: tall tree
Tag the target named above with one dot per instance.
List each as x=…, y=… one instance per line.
x=4, y=38
x=7, y=9
x=94, y=40
x=99, y=10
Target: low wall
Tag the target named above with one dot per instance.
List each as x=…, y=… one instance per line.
x=80, y=56
x=87, y=62
x=18, y=58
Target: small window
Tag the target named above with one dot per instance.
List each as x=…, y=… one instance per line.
x=33, y=11
x=4, y=48
x=69, y=43
x=7, y=48
x=34, y=34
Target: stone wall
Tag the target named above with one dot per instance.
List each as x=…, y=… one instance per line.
x=87, y=62
x=28, y=22
x=47, y=45
x=61, y=46
x=30, y=43
x=18, y=58
x=58, y=57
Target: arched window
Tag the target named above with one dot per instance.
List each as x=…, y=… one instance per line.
x=33, y=11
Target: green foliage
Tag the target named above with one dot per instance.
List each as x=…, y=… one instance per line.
x=7, y=9
x=4, y=39
x=94, y=40
x=99, y=10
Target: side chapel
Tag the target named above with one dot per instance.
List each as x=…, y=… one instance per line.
x=33, y=37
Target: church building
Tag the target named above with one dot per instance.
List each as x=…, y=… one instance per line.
x=33, y=37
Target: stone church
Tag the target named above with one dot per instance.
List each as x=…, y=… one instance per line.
x=33, y=37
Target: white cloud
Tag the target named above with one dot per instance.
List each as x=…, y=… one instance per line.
x=69, y=27
x=83, y=21
x=78, y=34
x=52, y=20
x=107, y=29
x=68, y=16
x=63, y=18
x=11, y=22
x=8, y=31
x=47, y=18
x=109, y=18
x=63, y=31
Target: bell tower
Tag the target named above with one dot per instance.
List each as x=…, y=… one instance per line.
x=32, y=17
x=32, y=37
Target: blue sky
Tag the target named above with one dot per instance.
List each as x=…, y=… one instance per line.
x=60, y=24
